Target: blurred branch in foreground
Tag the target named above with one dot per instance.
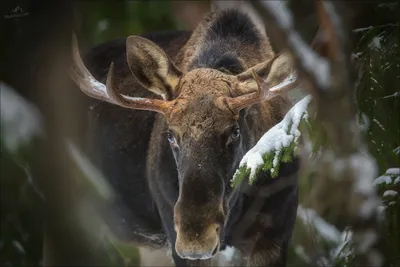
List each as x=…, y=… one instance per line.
x=343, y=161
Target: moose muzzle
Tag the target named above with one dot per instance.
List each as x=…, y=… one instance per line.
x=199, y=217
x=198, y=246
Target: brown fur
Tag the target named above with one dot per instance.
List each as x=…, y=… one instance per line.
x=199, y=203
x=197, y=110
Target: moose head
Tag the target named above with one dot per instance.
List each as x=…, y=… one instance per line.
x=210, y=125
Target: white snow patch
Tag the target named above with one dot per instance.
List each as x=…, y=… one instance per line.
x=397, y=180
x=381, y=211
x=362, y=29
x=397, y=94
x=228, y=253
x=312, y=62
x=20, y=120
x=379, y=124
x=365, y=169
x=363, y=121
x=393, y=171
x=326, y=230
x=19, y=246
x=92, y=174
x=356, y=55
x=103, y=25
x=369, y=206
x=277, y=138
x=369, y=238
x=340, y=250
x=383, y=179
x=375, y=80
x=389, y=175
x=376, y=43
x=389, y=193
x=301, y=252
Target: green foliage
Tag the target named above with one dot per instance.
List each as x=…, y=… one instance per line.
x=377, y=57
x=21, y=229
x=378, y=93
x=101, y=21
x=275, y=149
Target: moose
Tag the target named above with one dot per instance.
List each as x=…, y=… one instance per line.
x=172, y=115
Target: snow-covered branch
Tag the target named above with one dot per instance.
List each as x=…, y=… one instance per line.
x=344, y=161
x=310, y=63
x=278, y=144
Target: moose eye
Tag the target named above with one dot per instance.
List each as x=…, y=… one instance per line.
x=235, y=134
x=171, y=138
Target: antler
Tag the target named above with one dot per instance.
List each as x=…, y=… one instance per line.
x=263, y=93
x=109, y=93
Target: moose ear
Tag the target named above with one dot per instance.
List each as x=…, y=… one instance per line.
x=152, y=67
x=272, y=72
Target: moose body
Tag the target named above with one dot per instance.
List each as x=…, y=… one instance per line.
x=171, y=169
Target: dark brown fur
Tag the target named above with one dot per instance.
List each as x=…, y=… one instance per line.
x=180, y=194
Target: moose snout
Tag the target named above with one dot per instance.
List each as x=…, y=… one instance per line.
x=200, y=246
x=199, y=216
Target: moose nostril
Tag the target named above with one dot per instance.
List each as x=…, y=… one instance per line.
x=215, y=250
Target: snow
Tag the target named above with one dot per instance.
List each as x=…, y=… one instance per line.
x=103, y=25
x=301, y=253
x=389, y=193
x=310, y=61
x=289, y=80
x=20, y=120
x=277, y=138
x=92, y=174
x=383, y=179
x=376, y=43
x=379, y=124
x=345, y=238
x=365, y=171
x=362, y=29
x=356, y=55
x=369, y=238
x=19, y=246
x=327, y=231
x=397, y=94
x=388, y=176
x=228, y=253
x=393, y=171
x=397, y=180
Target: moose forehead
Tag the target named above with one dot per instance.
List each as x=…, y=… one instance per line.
x=204, y=80
x=198, y=108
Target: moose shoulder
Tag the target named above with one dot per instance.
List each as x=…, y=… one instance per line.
x=178, y=111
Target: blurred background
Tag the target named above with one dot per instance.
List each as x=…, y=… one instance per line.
x=376, y=52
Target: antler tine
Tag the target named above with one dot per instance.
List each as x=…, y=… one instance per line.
x=264, y=92
x=82, y=77
x=109, y=92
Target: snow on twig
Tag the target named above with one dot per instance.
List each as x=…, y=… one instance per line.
x=272, y=145
x=327, y=231
x=390, y=176
x=312, y=63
